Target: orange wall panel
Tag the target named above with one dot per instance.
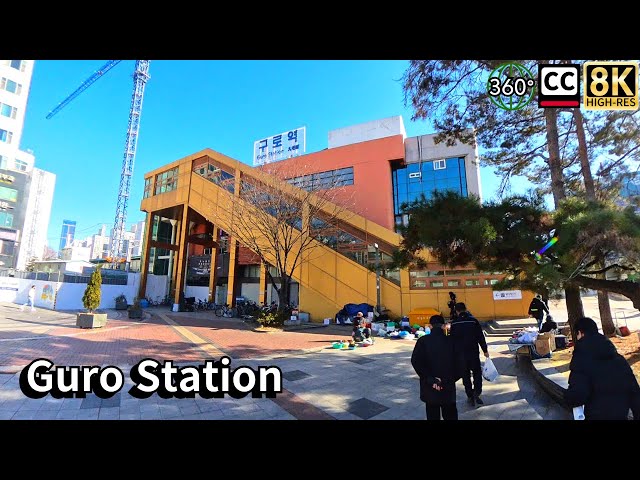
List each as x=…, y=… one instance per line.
x=371, y=195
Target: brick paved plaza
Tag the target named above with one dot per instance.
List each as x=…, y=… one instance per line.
x=320, y=382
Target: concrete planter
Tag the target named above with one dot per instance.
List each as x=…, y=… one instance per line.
x=91, y=320
x=135, y=312
x=121, y=305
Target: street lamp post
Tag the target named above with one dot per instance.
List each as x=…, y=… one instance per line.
x=377, y=278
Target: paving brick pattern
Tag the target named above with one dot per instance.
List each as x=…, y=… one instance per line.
x=319, y=382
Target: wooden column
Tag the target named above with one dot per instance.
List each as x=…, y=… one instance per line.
x=262, y=293
x=214, y=267
x=180, y=262
x=233, y=247
x=233, y=257
x=146, y=251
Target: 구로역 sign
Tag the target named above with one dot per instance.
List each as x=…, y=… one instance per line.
x=279, y=147
x=507, y=294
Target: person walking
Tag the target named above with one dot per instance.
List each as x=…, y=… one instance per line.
x=436, y=362
x=600, y=378
x=31, y=298
x=467, y=335
x=537, y=309
x=452, y=306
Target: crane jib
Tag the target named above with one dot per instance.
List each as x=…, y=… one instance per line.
x=140, y=78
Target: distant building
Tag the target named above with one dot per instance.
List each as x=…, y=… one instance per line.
x=67, y=234
x=630, y=191
x=76, y=252
x=26, y=193
x=61, y=266
x=99, y=244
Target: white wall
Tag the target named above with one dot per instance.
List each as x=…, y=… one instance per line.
x=250, y=291
x=67, y=296
x=364, y=132
x=156, y=287
x=201, y=293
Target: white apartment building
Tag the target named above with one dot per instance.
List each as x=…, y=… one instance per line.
x=98, y=245
x=26, y=192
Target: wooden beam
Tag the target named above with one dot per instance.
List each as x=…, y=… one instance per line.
x=214, y=266
x=148, y=235
x=166, y=246
x=179, y=266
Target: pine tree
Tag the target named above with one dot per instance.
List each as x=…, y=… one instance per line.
x=91, y=297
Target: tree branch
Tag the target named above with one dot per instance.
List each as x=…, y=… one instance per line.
x=603, y=270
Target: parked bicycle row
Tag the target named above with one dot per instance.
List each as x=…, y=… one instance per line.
x=244, y=309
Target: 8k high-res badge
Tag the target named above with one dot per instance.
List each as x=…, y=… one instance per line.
x=611, y=85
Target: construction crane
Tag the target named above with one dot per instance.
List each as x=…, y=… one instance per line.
x=140, y=77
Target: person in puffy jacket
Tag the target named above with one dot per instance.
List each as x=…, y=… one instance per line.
x=537, y=309
x=600, y=379
x=438, y=365
x=467, y=335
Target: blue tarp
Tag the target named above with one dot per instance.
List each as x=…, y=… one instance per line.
x=350, y=310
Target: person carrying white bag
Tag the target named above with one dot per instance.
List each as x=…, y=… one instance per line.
x=489, y=370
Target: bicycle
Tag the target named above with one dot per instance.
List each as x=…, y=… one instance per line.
x=225, y=311
x=166, y=301
x=152, y=303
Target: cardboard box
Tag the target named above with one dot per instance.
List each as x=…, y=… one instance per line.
x=551, y=337
x=543, y=345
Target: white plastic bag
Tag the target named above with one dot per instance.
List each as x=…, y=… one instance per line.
x=489, y=370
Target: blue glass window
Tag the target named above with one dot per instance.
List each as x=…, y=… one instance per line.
x=407, y=189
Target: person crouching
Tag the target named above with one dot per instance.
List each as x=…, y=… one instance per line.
x=360, y=331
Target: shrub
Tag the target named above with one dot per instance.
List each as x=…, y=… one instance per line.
x=275, y=320
x=92, y=294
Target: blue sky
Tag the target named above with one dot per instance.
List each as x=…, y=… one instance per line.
x=188, y=106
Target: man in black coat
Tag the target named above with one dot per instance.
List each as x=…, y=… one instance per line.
x=452, y=306
x=537, y=309
x=434, y=360
x=600, y=379
x=467, y=335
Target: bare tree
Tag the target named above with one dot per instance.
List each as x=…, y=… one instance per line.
x=284, y=223
x=49, y=253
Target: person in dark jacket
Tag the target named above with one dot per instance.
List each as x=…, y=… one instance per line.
x=549, y=325
x=537, y=309
x=467, y=335
x=434, y=360
x=360, y=330
x=452, y=306
x=600, y=379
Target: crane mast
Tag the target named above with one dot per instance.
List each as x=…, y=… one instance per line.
x=140, y=77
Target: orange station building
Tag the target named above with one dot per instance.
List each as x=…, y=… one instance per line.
x=377, y=168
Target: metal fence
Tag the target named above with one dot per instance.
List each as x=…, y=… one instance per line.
x=62, y=277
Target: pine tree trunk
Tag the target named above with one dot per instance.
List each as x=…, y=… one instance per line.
x=575, y=309
x=590, y=192
x=583, y=155
x=555, y=162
